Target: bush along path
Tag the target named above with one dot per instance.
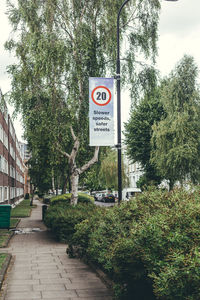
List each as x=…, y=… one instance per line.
x=41, y=269
x=149, y=247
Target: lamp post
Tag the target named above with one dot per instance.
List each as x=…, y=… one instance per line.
x=119, y=144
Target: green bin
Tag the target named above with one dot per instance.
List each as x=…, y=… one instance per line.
x=5, y=216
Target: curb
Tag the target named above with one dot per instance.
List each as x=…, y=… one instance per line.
x=74, y=251
x=16, y=224
x=107, y=281
x=8, y=241
x=104, y=278
x=4, y=269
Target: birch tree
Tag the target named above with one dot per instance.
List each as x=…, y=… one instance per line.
x=59, y=44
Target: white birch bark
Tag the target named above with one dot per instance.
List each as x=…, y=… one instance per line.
x=75, y=172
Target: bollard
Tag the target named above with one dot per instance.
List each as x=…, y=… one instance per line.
x=44, y=209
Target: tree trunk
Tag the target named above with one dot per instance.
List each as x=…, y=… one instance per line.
x=74, y=185
x=69, y=182
x=171, y=184
x=64, y=188
x=53, y=182
x=74, y=171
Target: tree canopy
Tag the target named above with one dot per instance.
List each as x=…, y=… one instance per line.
x=59, y=44
x=176, y=138
x=138, y=134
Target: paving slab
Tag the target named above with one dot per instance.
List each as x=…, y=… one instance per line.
x=41, y=269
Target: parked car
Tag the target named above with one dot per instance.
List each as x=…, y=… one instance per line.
x=99, y=196
x=108, y=198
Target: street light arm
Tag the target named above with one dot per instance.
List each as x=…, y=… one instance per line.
x=118, y=18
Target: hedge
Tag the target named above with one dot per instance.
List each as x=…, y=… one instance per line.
x=82, y=198
x=61, y=218
x=149, y=246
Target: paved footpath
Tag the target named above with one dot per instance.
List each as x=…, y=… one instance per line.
x=41, y=269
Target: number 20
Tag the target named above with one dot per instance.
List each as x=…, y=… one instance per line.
x=101, y=96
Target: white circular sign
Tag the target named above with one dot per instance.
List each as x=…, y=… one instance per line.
x=101, y=95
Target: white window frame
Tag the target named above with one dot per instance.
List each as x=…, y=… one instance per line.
x=1, y=194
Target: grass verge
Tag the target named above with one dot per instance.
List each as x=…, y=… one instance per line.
x=4, y=263
x=14, y=223
x=5, y=236
x=22, y=210
x=3, y=257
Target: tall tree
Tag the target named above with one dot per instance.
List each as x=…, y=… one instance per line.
x=176, y=139
x=60, y=43
x=138, y=134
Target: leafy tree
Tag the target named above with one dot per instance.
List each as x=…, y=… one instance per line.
x=138, y=134
x=91, y=180
x=45, y=165
x=176, y=139
x=109, y=171
x=60, y=43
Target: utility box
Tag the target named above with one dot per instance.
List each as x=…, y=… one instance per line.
x=5, y=211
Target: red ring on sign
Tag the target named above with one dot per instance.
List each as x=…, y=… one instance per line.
x=109, y=92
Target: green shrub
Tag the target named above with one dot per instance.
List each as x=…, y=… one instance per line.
x=84, y=229
x=62, y=218
x=59, y=199
x=82, y=198
x=178, y=276
x=149, y=246
x=47, y=199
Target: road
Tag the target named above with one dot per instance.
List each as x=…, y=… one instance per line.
x=99, y=203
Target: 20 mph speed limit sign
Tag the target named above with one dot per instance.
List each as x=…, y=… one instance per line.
x=101, y=111
x=101, y=95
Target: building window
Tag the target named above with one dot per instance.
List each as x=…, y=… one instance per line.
x=6, y=115
x=5, y=166
x=1, y=133
x=12, y=192
x=1, y=194
x=5, y=193
x=5, y=139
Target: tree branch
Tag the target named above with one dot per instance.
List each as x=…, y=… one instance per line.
x=91, y=162
x=82, y=13
x=61, y=151
x=73, y=134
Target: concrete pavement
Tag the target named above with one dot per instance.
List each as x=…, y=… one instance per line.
x=41, y=269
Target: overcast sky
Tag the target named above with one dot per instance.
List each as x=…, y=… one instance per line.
x=179, y=34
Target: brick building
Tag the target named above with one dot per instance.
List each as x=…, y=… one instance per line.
x=11, y=163
x=25, y=156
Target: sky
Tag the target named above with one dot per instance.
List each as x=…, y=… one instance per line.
x=179, y=34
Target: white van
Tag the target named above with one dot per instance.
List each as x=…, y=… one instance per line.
x=130, y=193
